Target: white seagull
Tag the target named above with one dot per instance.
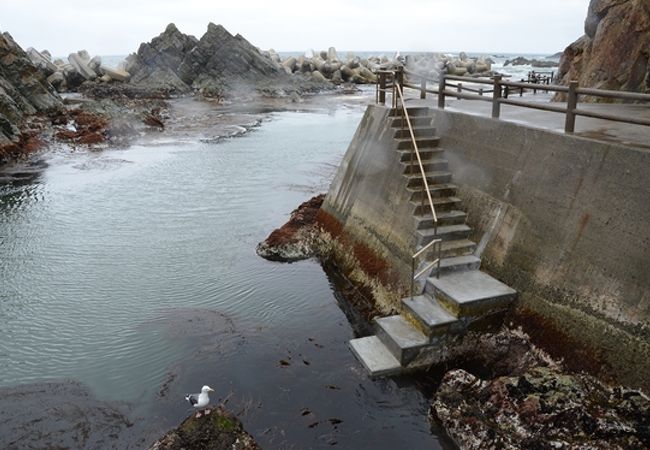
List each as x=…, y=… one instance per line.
x=200, y=401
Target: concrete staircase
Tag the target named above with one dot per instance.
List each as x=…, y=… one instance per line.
x=461, y=295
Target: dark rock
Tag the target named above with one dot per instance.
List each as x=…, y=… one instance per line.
x=521, y=61
x=293, y=241
x=24, y=91
x=541, y=408
x=613, y=53
x=218, y=430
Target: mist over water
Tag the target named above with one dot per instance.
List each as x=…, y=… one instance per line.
x=134, y=273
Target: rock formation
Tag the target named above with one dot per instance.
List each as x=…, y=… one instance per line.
x=541, y=408
x=615, y=50
x=219, y=430
x=24, y=91
x=217, y=65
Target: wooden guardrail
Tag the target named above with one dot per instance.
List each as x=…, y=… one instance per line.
x=500, y=88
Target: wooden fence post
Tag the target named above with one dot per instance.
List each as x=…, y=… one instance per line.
x=572, y=103
x=496, y=97
x=423, y=88
x=441, y=90
x=459, y=88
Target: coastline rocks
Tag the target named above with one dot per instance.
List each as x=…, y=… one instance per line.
x=294, y=240
x=24, y=91
x=80, y=64
x=219, y=430
x=613, y=53
x=521, y=61
x=541, y=408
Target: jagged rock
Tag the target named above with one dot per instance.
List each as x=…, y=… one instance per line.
x=80, y=64
x=541, y=408
x=614, y=52
x=57, y=80
x=157, y=62
x=24, y=90
x=219, y=430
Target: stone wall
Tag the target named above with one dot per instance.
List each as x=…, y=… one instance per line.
x=564, y=220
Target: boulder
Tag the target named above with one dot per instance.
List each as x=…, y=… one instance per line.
x=84, y=55
x=81, y=66
x=290, y=64
x=323, y=55
x=613, y=53
x=317, y=76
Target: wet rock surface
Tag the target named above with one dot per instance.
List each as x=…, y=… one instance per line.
x=215, y=431
x=541, y=408
x=613, y=53
x=294, y=240
x=521, y=61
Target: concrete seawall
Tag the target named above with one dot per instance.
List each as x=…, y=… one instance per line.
x=566, y=221
x=563, y=220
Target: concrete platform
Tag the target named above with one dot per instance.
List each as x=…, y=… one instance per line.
x=400, y=337
x=430, y=314
x=470, y=293
x=375, y=356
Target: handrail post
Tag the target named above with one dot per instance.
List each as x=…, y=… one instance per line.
x=423, y=88
x=441, y=90
x=459, y=89
x=382, y=88
x=572, y=103
x=496, y=97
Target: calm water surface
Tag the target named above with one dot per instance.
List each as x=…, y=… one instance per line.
x=134, y=272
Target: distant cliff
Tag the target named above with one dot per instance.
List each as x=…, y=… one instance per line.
x=615, y=50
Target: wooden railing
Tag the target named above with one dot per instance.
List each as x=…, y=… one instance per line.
x=500, y=88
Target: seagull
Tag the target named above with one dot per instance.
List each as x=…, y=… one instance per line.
x=199, y=401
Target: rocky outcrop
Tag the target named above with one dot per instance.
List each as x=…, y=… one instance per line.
x=615, y=50
x=217, y=65
x=218, y=430
x=295, y=239
x=24, y=91
x=521, y=61
x=542, y=408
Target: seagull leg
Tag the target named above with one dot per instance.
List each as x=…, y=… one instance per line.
x=207, y=412
x=198, y=415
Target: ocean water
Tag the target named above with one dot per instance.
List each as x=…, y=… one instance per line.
x=133, y=271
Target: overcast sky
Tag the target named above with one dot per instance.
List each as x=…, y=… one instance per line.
x=118, y=27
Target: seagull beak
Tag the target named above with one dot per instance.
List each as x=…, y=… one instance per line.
x=210, y=389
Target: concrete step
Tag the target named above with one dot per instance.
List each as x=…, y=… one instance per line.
x=444, y=232
x=417, y=131
x=433, y=177
x=425, y=154
x=375, y=356
x=451, y=217
x=433, y=318
x=437, y=164
x=460, y=247
x=400, y=337
x=470, y=294
x=436, y=190
x=458, y=264
x=413, y=111
x=440, y=204
x=416, y=121
x=423, y=142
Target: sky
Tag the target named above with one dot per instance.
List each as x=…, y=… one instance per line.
x=118, y=27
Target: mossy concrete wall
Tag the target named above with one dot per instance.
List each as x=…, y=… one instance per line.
x=566, y=221
x=369, y=200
